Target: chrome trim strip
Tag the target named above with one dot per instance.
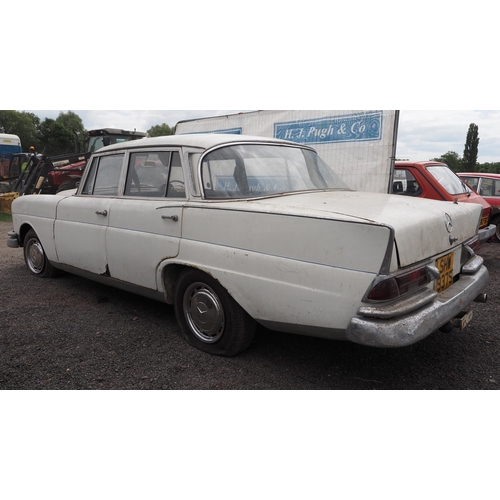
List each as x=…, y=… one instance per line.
x=405, y=306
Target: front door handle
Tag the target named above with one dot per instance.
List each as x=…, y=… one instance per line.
x=175, y=218
x=103, y=213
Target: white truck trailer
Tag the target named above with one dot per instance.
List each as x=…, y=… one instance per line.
x=359, y=145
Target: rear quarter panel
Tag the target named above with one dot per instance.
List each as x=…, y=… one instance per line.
x=284, y=268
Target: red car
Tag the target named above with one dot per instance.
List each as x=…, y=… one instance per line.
x=434, y=180
x=488, y=186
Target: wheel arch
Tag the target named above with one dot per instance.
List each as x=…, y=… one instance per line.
x=23, y=231
x=170, y=274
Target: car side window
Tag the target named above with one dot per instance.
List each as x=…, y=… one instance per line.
x=490, y=187
x=147, y=174
x=104, y=176
x=486, y=187
x=405, y=183
x=496, y=187
x=472, y=182
x=155, y=174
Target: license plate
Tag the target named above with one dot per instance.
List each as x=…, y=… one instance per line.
x=462, y=320
x=445, y=266
x=465, y=319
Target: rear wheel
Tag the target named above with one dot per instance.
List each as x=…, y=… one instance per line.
x=35, y=258
x=209, y=318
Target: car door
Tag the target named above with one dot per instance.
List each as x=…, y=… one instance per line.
x=145, y=223
x=82, y=220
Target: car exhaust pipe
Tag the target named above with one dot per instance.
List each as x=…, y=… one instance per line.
x=460, y=321
x=448, y=328
x=482, y=297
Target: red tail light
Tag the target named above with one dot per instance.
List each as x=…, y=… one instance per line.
x=396, y=286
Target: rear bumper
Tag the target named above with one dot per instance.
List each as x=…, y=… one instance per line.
x=486, y=233
x=415, y=326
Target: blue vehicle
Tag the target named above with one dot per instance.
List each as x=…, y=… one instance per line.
x=9, y=144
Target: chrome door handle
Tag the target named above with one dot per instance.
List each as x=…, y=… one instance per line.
x=175, y=218
x=104, y=213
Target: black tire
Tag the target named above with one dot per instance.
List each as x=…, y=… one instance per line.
x=496, y=236
x=209, y=318
x=35, y=258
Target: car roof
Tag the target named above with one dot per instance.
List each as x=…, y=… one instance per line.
x=204, y=141
x=479, y=174
x=424, y=163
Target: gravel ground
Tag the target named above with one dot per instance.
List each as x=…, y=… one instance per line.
x=71, y=333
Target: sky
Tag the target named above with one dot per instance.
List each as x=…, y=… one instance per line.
x=422, y=135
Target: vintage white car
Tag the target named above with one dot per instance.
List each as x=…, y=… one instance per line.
x=235, y=231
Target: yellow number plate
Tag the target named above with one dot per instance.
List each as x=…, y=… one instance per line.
x=445, y=266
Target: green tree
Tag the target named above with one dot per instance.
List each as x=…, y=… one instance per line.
x=62, y=135
x=492, y=168
x=451, y=159
x=160, y=130
x=23, y=124
x=471, y=148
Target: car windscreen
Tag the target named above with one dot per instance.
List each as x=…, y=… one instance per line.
x=448, y=179
x=251, y=170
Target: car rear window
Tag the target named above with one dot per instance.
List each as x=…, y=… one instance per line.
x=251, y=170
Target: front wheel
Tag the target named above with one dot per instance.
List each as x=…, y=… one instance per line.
x=209, y=318
x=496, y=236
x=35, y=258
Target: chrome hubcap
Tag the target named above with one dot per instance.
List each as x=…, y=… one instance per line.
x=204, y=312
x=35, y=256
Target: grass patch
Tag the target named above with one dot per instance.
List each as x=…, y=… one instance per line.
x=5, y=217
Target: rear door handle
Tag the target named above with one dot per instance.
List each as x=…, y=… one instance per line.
x=103, y=212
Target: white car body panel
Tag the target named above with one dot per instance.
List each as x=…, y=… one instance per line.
x=419, y=232
x=80, y=233
x=274, y=270
x=291, y=236
x=140, y=234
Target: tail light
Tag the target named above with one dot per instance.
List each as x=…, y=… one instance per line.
x=394, y=287
x=485, y=218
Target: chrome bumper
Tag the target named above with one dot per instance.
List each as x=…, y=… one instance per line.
x=486, y=233
x=13, y=241
x=415, y=326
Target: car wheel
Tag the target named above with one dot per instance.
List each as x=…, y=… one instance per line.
x=35, y=258
x=496, y=236
x=209, y=318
